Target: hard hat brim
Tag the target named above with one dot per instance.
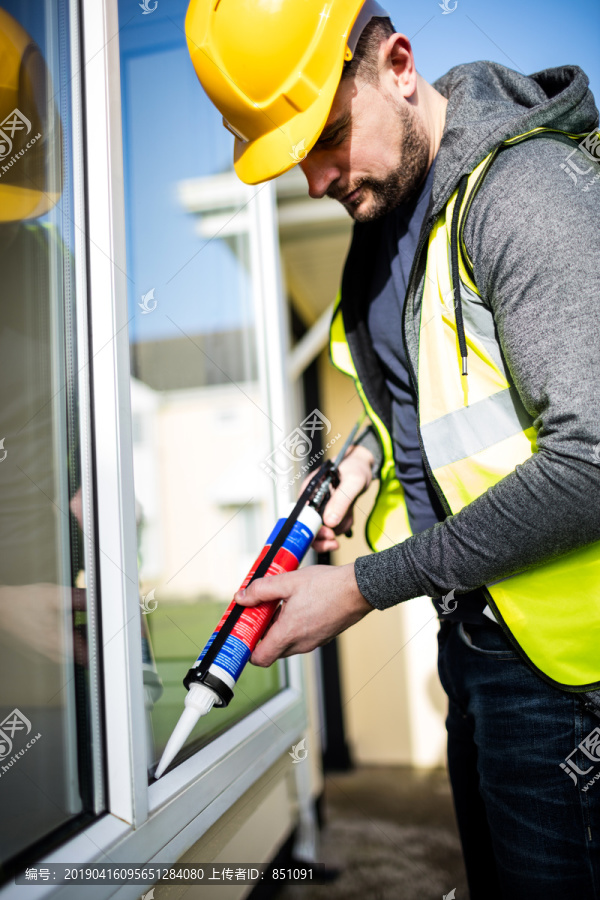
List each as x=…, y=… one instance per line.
x=284, y=147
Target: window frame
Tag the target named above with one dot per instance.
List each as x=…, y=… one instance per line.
x=86, y=449
x=161, y=821
x=69, y=328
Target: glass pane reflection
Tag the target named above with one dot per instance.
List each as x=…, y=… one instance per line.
x=200, y=425
x=45, y=769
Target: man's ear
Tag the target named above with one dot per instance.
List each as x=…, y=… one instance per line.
x=398, y=62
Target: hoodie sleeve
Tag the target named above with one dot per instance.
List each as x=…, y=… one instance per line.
x=533, y=233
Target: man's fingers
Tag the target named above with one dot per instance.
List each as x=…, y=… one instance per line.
x=265, y=656
x=271, y=647
x=338, y=507
x=274, y=587
x=326, y=533
x=325, y=540
x=323, y=546
x=346, y=523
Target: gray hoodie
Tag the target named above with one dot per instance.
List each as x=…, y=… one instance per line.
x=533, y=233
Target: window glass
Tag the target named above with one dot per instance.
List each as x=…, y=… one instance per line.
x=45, y=746
x=200, y=422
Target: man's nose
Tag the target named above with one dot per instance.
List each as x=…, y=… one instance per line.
x=320, y=175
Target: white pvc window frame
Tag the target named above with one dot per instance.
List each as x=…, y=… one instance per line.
x=160, y=822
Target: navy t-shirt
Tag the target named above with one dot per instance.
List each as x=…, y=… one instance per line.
x=395, y=254
x=400, y=235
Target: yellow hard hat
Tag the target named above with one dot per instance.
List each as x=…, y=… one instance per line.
x=272, y=67
x=30, y=132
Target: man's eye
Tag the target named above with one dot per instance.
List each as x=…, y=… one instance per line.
x=332, y=140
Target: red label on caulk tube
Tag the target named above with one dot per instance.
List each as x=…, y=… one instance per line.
x=253, y=622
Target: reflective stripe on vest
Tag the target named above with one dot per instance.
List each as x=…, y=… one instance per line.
x=475, y=431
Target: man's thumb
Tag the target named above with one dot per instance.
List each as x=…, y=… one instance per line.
x=336, y=509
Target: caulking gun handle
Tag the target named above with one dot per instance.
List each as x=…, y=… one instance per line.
x=304, y=499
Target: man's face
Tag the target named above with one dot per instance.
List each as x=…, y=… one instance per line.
x=373, y=152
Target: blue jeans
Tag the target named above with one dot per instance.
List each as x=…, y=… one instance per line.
x=530, y=829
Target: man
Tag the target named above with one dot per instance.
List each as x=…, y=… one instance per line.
x=469, y=321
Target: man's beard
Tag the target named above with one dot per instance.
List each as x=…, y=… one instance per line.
x=403, y=183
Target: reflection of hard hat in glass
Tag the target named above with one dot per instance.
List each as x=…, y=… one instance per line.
x=30, y=129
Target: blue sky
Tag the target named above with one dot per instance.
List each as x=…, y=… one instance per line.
x=172, y=132
x=527, y=36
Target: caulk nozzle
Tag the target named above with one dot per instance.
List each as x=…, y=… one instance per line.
x=198, y=702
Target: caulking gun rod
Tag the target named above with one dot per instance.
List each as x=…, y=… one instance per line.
x=348, y=441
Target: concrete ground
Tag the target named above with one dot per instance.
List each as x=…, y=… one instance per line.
x=391, y=831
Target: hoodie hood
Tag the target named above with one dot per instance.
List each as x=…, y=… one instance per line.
x=488, y=103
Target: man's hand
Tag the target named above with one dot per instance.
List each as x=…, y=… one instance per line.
x=318, y=603
x=355, y=478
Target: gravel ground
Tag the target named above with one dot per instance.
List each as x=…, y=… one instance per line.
x=391, y=833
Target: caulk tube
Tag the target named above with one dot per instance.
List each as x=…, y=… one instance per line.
x=252, y=624
x=215, y=687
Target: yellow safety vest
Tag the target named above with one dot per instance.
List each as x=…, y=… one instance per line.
x=474, y=431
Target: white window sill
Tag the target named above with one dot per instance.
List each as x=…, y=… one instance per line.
x=183, y=804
